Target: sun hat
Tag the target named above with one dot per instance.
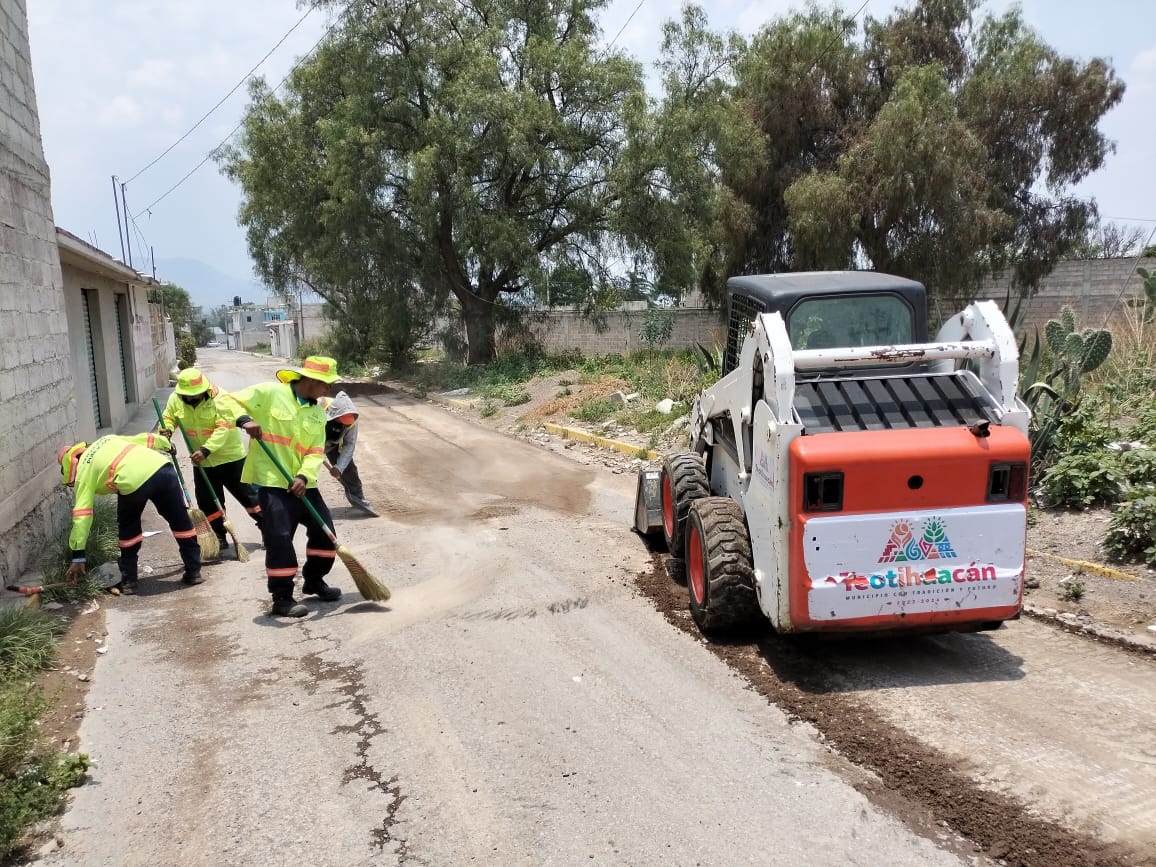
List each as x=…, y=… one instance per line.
x=314, y=367
x=191, y=382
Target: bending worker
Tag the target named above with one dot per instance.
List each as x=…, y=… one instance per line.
x=285, y=416
x=217, y=448
x=340, y=442
x=137, y=469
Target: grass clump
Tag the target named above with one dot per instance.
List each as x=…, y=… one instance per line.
x=33, y=779
x=103, y=543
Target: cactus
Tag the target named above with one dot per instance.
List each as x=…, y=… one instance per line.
x=1147, y=304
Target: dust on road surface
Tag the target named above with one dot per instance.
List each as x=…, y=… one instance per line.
x=516, y=701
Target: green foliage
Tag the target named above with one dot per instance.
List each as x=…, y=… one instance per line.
x=437, y=149
x=657, y=326
x=186, y=351
x=27, y=640
x=1082, y=480
x=315, y=346
x=32, y=780
x=175, y=302
x=595, y=410
x=103, y=544
x=1147, y=304
x=489, y=408
x=1074, y=352
x=1072, y=589
x=510, y=394
x=201, y=332
x=1132, y=529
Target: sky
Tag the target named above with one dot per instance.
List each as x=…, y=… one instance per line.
x=120, y=81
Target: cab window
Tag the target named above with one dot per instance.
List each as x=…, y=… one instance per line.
x=850, y=320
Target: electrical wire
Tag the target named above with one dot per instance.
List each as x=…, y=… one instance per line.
x=624, y=26
x=221, y=101
x=148, y=208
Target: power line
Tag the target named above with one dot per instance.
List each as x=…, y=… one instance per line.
x=624, y=26
x=240, y=123
x=221, y=101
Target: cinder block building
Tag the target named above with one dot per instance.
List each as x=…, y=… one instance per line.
x=80, y=346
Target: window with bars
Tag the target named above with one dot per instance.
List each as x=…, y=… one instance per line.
x=743, y=311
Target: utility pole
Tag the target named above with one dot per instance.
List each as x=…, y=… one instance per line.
x=153, y=257
x=128, y=236
x=119, y=231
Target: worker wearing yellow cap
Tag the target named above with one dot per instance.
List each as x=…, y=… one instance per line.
x=216, y=448
x=286, y=417
x=138, y=470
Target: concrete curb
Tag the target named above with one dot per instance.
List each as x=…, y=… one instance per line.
x=1086, y=566
x=1089, y=629
x=573, y=433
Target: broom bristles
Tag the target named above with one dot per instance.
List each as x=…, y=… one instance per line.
x=367, y=585
x=242, y=551
x=206, y=538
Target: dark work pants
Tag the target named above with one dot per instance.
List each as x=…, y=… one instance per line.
x=164, y=491
x=224, y=477
x=350, y=478
x=281, y=514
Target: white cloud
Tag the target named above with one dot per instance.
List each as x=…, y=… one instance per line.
x=119, y=113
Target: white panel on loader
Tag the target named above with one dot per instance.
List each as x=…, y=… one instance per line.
x=914, y=562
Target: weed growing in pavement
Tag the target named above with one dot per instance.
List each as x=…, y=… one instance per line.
x=1072, y=589
x=33, y=780
x=489, y=408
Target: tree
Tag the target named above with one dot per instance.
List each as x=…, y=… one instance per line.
x=175, y=302
x=438, y=148
x=934, y=144
x=956, y=149
x=1110, y=241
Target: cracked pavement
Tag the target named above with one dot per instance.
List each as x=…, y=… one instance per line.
x=515, y=702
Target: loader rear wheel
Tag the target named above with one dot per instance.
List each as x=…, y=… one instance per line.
x=720, y=574
x=683, y=481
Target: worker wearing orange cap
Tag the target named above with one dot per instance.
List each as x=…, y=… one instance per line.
x=138, y=470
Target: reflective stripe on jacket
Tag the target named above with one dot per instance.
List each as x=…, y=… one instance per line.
x=112, y=465
x=205, y=427
x=294, y=432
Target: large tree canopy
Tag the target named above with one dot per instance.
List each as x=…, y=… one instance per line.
x=438, y=147
x=938, y=143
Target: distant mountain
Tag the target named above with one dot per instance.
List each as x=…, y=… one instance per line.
x=208, y=287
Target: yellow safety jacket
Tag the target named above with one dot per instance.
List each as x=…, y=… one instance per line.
x=207, y=430
x=112, y=465
x=293, y=429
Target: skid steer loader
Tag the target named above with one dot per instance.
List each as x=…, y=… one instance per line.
x=846, y=474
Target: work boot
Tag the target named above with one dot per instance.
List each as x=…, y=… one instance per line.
x=126, y=587
x=224, y=542
x=192, y=578
x=317, y=587
x=359, y=503
x=286, y=606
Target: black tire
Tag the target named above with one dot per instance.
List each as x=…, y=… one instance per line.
x=684, y=480
x=720, y=576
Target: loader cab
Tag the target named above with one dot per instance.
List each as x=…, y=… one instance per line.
x=824, y=309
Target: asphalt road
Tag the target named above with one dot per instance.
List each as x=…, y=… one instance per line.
x=516, y=702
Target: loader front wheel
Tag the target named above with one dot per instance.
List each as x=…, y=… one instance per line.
x=683, y=481
x=720, y=574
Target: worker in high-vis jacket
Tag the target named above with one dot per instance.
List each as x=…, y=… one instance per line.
x=217, y=448
x=138, y=470
x=285, y=416
x=340, y=443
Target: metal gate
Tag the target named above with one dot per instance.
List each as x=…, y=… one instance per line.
x=121, y=316
x=90, y=349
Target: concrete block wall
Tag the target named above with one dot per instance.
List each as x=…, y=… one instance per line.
x=37, y=407
x=566, y=331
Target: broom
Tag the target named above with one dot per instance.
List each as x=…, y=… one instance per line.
x=206, y=538
x=242, y=551
x=367, y=585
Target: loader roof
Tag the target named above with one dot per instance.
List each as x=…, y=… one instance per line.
x=822, y=282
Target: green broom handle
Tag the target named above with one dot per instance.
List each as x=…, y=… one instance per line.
x=204, y=475
x=176, y=466
x=308, y=505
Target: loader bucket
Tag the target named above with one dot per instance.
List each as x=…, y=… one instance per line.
x=648, y=503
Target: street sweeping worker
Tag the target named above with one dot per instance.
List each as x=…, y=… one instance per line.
x=285, y=416
x=217, y=448
x=340, y=442
x=137, y=469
